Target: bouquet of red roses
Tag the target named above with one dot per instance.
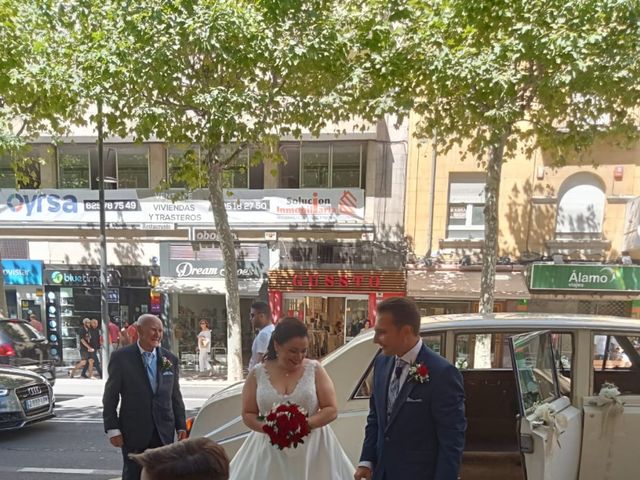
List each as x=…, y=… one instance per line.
x=286, y=424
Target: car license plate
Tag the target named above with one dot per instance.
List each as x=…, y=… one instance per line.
x=37, y=402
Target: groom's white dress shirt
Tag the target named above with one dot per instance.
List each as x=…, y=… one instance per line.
x=407, y=359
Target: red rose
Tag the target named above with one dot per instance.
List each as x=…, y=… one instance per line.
x=423, y=371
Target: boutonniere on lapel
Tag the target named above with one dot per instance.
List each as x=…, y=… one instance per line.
x=167, y=366
x=418, y=372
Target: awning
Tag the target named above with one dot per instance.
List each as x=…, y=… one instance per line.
x=208, y=286
x=450, y=285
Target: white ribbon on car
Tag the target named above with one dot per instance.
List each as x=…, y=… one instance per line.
x=608, y=399
x=555, y=425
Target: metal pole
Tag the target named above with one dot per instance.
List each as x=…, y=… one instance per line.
x=104, y=292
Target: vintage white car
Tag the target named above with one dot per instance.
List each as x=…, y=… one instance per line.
x=548, y=419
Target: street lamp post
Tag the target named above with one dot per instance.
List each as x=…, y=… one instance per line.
x=104, y=286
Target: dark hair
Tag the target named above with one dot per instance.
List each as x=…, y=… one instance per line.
x=403, y=310
x=262, y=307
x=194, y=459
x=205, y=321
x=286, y=329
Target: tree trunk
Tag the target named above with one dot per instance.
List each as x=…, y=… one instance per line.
x=490, y=254
x=234, y=327
x=3, y=296
x=482, y=354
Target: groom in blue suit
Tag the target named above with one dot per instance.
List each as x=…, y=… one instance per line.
x=416, y=424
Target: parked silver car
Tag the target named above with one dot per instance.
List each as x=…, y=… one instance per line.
x=25, y=398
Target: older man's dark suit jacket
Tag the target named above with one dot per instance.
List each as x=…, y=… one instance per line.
x=140, y=409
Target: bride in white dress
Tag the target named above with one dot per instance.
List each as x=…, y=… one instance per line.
x=287, y=375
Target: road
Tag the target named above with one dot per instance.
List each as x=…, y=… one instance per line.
x=73, y=445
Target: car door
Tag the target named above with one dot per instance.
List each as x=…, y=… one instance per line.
x=550, y=444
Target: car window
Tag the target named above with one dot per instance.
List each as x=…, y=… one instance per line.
x=482, y=351
x=19, y=331
x=434, y=341
x=616, y=359
x=535, y=373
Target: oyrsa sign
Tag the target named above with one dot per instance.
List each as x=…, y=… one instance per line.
x=317, y=280
x=585, y=277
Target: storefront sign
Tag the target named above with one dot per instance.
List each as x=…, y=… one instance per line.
x=587, y=278
x=22, y=272
x=336, y=280
x=129, y=209
x=78, y=278
x=182, y=262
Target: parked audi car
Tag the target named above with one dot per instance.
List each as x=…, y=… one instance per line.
x=23, y=346
x=548, y=397
x=25, y=398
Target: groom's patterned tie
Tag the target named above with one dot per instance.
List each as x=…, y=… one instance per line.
x=394, y=385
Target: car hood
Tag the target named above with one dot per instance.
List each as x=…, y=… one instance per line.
x=15, y=377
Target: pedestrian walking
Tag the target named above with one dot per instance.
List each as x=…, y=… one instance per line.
x=196, y=459
x=124, y=334
x=114, y=334
x=204, y=347
x=84, y=347
x=95, y=344
x=144, y=382
x=261, y=320
x=132, y=333
x=35, y=323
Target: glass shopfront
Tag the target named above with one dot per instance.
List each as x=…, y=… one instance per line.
x=332, y=320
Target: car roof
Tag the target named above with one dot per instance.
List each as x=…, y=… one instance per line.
x=520, y=322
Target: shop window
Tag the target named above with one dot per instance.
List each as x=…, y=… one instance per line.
x=73, y=166
x=184, y=168
x=580, y=207
x=616, y=359
x=344, y=254
x=133, y=166
x=466, y=206
x=20, y=170
x=435, y=341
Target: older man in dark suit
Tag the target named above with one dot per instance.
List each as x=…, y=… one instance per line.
x=143, y=378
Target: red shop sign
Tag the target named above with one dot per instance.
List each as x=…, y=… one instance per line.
x=328, y=281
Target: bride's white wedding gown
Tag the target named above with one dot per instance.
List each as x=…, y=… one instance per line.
x=320, y=457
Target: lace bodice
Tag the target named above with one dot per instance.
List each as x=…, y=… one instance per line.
x=304, y=393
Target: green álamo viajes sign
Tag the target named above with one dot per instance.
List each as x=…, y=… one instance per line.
x=585, y=277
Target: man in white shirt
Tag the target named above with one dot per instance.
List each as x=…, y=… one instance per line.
x=261, y=320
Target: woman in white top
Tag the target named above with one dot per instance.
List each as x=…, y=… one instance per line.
x=204, y=346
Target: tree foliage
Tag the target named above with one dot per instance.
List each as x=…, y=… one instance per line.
x=487, y=76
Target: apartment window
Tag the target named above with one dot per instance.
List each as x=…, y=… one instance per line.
x=183, y=166
x=133, y=166
x=289, y=171
x=466, y=206
x=7, y=174
x=73, y=166
x=110, y=168
x=322, y=165
x=347, y=165
x=315, y=166
x=580, y=207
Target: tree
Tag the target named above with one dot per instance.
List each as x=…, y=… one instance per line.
x=225, y=75
x=489, y=77
x=35, y=90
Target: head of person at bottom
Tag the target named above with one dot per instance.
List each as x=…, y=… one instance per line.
x=149, y=331
x=289, y=343
x=397, y=328
x=194, y=459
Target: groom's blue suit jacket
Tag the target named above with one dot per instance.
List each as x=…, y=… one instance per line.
x=423, y=438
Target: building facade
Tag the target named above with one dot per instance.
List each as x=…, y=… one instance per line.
x=557, y=225
x=335, y=203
